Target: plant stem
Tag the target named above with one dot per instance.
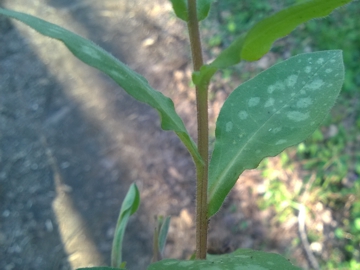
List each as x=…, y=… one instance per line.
x=203, y=135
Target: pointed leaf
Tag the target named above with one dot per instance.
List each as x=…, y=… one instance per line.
x=160, y=235
x=231, y=55
x=278, y=108
x=164, y=229
x=202, y=6
x=227, y=58
x=133, y=83
x=180, y=9
x=203, y=9
x=128, y=207
x=241, y=259
x=263, y=34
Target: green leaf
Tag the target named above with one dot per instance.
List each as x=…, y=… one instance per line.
x=231, y=55
x=241, y=259
x=227, y=58
x=203, y=9
x=204, y=75
x=128, y=207
x=133, y=83
x=357, y=224
x=164, y=229
x=263, y=34
x=278, y=108
x=181, y=11
x=160, y=235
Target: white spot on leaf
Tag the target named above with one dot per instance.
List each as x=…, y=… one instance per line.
x=320, y=61
x=308, y=69
x=269, y=102
x=304, y=102
x=297, y=116
x=55, y=30
x=328, y=70
x=291, y=80
x=271, y=89
x=229, y=126
x=280, y=141
x=243, y=115
x=90, y=52
x=316, y=84
x=277, y=86
x=253, y=101
x=276, y=130
x=117, y=75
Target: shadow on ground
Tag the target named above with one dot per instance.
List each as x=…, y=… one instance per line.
x=71, y=144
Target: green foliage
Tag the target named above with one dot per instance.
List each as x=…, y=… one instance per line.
x=283, y=200
x=133, y=83
x=278, y=108
x=260, y=38
x=129, y=207
x=180, y=8
x=328, y=158
x=337, y=31
x=325, y=155
x=241, y=259
x=231, y=55
x=253, y=45
x=160, y=235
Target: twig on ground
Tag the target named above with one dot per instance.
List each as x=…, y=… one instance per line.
x=304, y=240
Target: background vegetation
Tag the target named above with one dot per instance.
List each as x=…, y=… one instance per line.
x=328, y=161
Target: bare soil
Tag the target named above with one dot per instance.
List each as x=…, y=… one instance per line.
x=71, y=143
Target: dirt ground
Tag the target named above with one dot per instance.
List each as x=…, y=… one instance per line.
x=71, y=143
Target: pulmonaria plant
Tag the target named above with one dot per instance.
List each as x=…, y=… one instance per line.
x=278, y=108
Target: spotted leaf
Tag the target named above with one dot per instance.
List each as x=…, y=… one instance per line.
x=278, y=108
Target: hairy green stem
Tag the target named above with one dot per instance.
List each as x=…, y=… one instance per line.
x=203, y=136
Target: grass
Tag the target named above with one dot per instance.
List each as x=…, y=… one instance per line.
x=329, y=161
